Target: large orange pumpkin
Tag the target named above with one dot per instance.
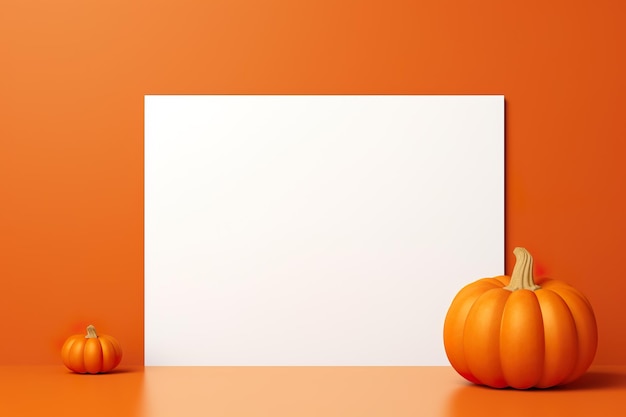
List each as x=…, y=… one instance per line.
x=518, y=332
x=91, y=353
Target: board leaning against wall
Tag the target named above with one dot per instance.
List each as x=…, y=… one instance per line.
x=316, y=230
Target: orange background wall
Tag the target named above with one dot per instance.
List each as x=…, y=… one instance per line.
x=72, y=78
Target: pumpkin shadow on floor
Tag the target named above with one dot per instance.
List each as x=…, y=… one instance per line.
x=473, y=400
x=112, y=372
x=595, y=380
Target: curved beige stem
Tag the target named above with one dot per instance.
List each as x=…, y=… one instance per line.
x=91, y=332
x=522, y=276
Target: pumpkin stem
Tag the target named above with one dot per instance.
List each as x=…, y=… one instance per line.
x=91, y=332
x=522, y=276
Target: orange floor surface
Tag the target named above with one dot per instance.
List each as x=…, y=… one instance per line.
x=295, y=391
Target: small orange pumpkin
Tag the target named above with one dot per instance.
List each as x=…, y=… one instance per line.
x=515, y=332
x=91, y=353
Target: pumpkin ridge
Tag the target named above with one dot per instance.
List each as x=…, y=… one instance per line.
x=480, y=317
x=581, y=363
x=101, y=358
x=577, y=359
x=464, y=355
x=65, y=351
x=76, y=356
x=455, y=329
x=522, y=346
x=546, y=306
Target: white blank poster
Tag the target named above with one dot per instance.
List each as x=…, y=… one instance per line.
x=316, y=230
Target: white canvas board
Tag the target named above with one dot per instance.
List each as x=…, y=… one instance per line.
x=316, y=229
